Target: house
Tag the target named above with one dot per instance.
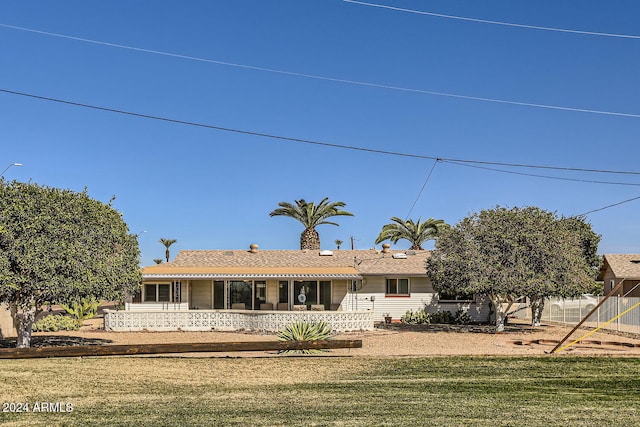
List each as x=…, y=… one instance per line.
x=265, y=289
x=621, y=268
x=7, y=329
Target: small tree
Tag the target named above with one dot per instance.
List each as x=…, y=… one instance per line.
x=167, y=244
x=510, y=253
x=338, y=243
x=59, y=246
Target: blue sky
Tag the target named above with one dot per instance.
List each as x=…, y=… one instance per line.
x=211, y=189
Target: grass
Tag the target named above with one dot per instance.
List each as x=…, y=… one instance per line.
x=327, y=391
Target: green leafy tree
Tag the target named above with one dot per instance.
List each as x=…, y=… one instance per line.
x=167, y=244
x=507, y=254
x=59, y=246
x=415, y=232
x=311, y=215
x=588, y=242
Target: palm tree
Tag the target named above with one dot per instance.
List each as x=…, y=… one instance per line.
x=338, y=243
x=415, y=232
x=167, y=243
x=158, y=260
x=311, y=215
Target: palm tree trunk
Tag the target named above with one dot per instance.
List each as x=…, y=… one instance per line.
x=310, y=239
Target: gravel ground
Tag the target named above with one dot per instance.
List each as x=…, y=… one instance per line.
x=396, y=340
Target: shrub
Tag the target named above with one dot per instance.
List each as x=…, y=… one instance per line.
x=82, y=310
x=461, y=318
x=418, y=317
x=303, y=331
x=55, y=323
x=443, y=317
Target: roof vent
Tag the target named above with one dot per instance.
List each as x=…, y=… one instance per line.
x=410, y=252
x=399, y=256
x=385, y=248
x=228, y=253
x=253, y=248
x=326, y=253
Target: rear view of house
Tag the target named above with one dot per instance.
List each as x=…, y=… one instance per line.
x=257, y=289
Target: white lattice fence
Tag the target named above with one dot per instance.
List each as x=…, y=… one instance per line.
x=225, y=320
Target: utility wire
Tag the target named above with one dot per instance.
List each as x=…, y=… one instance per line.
x=608, y=206
x=307, y=141
x=485, y=21
x=331, y=79
x=422, y=189
x=541, y=176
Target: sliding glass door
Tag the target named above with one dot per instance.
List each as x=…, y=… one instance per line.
x=240, y=293
x=312, y=292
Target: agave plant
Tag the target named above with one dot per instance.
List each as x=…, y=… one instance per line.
x=303, y=331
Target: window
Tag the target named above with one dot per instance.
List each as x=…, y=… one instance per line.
x=157, y=292
x=177, y=292
x=240, y=292
x=312, y=292
x=260, y=297
x=218, y=294
x=444, y=297
x=397, y=286
x=283, y=291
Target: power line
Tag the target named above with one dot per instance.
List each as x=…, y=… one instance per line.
x=541, y=176
x=422, y=189
x=308, y=141
x=608, y=206
x=331, y=79
x=486, y=21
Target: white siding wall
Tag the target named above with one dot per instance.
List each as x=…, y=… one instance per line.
x=478, y=309
x=420, y=290
x=422, y=296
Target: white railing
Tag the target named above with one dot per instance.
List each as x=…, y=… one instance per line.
x=232, y=320
x=155, y=306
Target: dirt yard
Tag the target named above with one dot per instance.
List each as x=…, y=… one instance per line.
x=395, y=340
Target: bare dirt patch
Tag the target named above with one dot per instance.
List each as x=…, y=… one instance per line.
x=395, y=340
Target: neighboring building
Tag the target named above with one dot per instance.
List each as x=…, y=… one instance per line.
x=621, y=268
x=7, y=329
x=373, y=283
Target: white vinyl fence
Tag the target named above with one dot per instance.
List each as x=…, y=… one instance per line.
x=572, y=311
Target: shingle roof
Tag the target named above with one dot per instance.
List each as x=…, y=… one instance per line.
x=625, y=266
x=342, y=263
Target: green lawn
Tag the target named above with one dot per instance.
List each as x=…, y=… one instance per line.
x=340, y=391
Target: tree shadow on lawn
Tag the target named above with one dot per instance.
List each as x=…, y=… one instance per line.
x=56, y=341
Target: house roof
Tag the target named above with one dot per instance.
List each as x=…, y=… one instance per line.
x=289, y=264
x=625, y=266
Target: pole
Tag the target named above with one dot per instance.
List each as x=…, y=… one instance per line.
x=614, y=290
